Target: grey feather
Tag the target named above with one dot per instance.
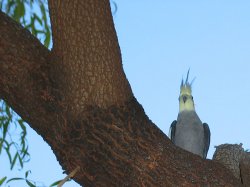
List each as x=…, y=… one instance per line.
x=190, y=134
x=206, y=139
x=172, y=130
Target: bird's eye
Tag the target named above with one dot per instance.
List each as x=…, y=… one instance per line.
x=192, y=98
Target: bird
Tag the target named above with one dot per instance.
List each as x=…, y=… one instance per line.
x=188, y=132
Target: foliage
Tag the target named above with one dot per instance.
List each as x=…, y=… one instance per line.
x=17, y=150
x=26, y=179
x=33, y=15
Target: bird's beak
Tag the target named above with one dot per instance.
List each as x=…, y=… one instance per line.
x=184, y=99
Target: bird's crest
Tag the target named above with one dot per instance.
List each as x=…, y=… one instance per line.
x=186, y=87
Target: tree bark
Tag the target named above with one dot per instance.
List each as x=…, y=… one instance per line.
x=245, y=170
x=86, y=47
x=78, y=99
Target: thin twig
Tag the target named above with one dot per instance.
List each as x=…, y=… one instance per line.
x=69, y=176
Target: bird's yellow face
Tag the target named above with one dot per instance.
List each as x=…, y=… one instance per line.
x=186, y=102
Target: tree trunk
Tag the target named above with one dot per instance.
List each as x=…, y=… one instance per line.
x=77, y=97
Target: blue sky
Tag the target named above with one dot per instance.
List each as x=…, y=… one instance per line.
x=160, y=40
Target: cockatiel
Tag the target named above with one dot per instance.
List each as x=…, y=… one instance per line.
x=188, y=132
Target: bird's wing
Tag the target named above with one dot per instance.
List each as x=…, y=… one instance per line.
x=206, y=139
x=172, y=128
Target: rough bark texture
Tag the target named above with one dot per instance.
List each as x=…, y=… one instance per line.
x=230, y=156
x=85, y=48
x=245, y=170
x=78, y=99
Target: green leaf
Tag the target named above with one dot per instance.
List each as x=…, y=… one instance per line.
x=2, y=120
x=43, y=11
x=1, y=5
x=9, y=6
x=28, y=26
x=23, y=133
x=8, y=153
x=55, y=183
x=2, y=180
x=37, y=18
x=5, y=128
x=32, y=26
x=20, y=161
x=27, y=173
x=29, y=183
x=14, y=179
x=7, y=109
x=19, y=11
x=21, y=123
x=25, y=153
x=47, y=39
x=13, y=161
x=2, y=141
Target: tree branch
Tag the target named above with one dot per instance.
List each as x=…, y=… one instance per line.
x=79, y=100
x=86, y=45
x=24, y=78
